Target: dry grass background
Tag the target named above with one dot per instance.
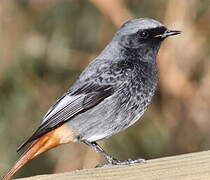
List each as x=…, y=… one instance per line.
x=44, y=45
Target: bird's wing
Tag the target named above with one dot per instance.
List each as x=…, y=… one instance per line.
x=70, y=105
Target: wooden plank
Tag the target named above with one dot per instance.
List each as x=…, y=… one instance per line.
x=192, y=166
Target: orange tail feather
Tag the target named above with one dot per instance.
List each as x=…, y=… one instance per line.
x=60, y=135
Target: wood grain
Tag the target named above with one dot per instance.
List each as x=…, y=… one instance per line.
x=192, y=166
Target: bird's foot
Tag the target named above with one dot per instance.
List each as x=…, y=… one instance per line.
x=114, y=161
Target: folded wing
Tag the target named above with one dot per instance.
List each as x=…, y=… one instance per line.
x=69, y=106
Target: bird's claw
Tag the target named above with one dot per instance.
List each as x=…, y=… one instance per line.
x=118, y=162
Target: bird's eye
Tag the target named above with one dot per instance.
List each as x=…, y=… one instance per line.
x=144, y=34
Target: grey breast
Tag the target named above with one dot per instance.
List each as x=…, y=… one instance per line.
x=121, y=109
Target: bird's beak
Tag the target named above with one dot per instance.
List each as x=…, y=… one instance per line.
x=170, y=33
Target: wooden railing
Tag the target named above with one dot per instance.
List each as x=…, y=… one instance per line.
x=192, y=166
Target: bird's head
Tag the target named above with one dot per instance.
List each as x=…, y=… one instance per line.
x=144, y=35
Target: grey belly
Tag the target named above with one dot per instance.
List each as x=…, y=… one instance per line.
x=105, y=119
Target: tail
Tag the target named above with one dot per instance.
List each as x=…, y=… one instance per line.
x=58, y=136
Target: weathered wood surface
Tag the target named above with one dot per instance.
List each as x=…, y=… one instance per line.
x=192, y=166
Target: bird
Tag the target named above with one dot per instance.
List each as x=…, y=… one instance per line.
x=110, y=95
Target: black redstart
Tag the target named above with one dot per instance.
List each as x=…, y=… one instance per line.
x=110, y=95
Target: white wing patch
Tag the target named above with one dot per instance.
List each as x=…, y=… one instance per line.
x=61, y=104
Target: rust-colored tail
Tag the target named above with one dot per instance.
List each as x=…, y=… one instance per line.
x=60, y=135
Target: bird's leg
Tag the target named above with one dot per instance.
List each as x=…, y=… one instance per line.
x=111, y=160
x=98, y=149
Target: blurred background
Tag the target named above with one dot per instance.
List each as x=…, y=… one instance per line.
x=44, y=45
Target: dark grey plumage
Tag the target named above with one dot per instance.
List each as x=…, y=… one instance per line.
x=132, y=75
x=114, y=90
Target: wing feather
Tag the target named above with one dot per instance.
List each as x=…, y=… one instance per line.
x=67, y=107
